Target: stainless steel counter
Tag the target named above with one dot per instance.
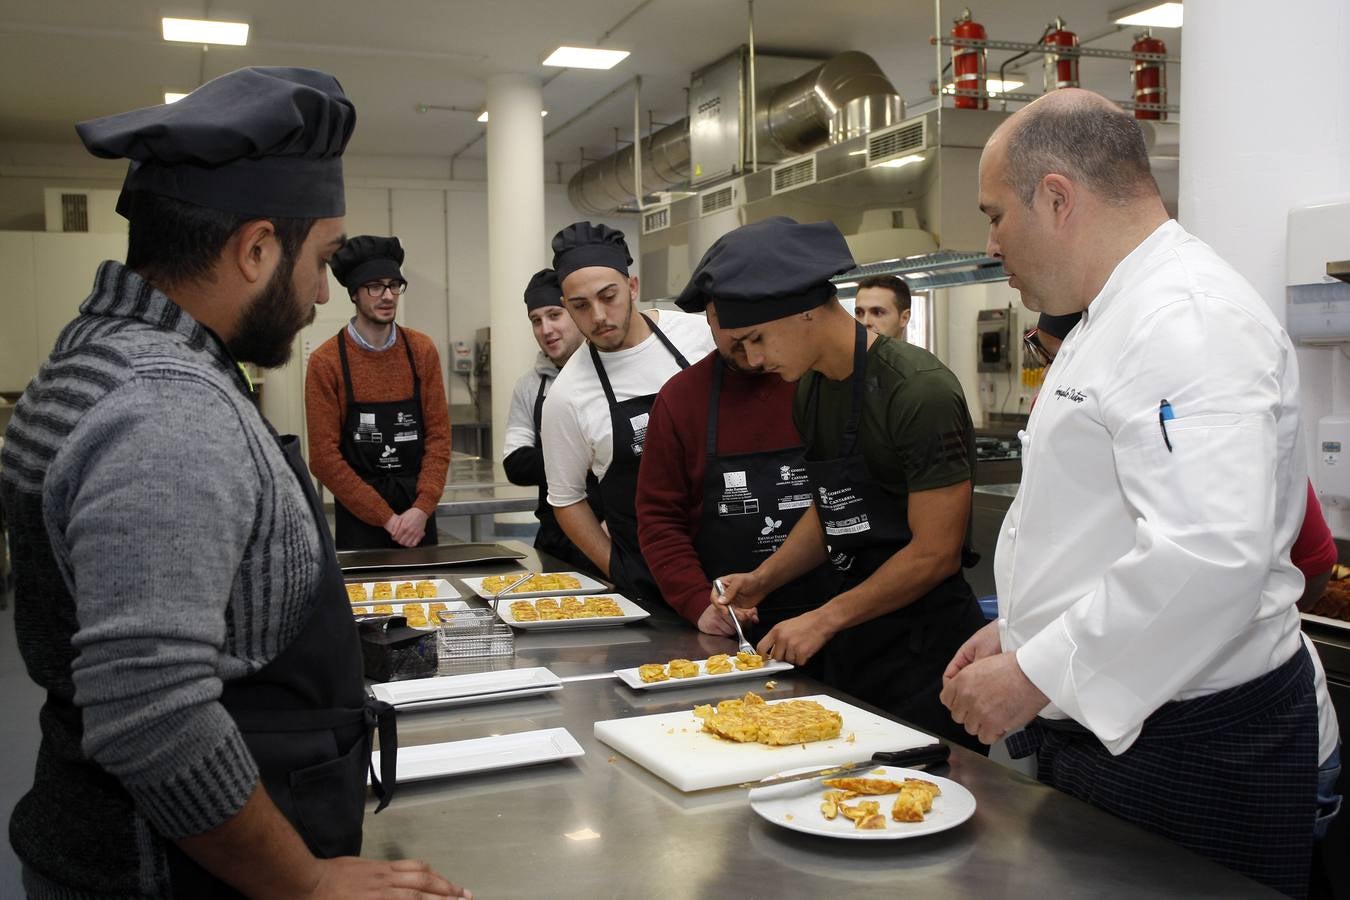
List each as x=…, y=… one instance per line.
x=602, y=826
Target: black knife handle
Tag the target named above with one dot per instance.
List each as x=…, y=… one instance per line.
x=931, y=755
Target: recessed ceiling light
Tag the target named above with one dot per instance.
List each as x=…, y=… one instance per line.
x=1150, y=14
x=483, y=116
x=173, y=96
x=585, y=58
x=204, y=31
x=993, y=86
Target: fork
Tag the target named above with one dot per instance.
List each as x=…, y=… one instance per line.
x=496, y=598
x=735, y=620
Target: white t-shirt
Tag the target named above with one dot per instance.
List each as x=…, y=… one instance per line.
x=577, y=433
x=1130, y=574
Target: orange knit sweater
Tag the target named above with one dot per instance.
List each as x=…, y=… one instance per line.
x=376, y=377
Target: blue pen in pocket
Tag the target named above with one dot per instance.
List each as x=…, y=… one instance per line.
x=1165, y=415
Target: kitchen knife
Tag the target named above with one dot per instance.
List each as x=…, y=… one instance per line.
x=916, y=757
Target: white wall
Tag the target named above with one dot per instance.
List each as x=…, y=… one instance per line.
x=441, y=223
x=1239, y=179
x=47, y=276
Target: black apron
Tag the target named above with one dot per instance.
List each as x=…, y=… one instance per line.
x=384, y=444
x=307, y=721
x=896, y=660
x=618, y=489
x=551, y=538
x=751, y=501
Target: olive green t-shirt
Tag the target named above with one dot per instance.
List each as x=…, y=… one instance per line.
x=915, y=434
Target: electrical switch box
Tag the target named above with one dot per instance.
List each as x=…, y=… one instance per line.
x=1331, y=474
x=993, y=331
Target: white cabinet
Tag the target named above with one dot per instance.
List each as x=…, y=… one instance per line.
x=45, y=276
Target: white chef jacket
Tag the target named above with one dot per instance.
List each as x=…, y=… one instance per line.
x=577, y=432
x=1128, y=575
x=520, y=416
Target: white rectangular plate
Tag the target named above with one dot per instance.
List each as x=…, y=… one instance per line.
x=631, y=613
x=588, y=585
x=450, y=690
x=630, y=676
x=444, y=590
x=797, y=806
x=450, y=606
x=674, y=747
x=504, y=751
x=1326, y=620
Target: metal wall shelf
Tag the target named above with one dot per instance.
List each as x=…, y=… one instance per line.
x=940, y=269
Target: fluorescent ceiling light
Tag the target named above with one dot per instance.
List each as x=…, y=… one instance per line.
x=585, y=58
x=204, y=31
x=173, y=96
x=993, y=86
x=483, y=116
x=1151, y=14
x=902, y=161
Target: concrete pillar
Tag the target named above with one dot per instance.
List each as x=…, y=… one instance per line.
x=1264, y=129
x=517, y=245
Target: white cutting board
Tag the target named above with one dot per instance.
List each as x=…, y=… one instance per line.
x=674, y=746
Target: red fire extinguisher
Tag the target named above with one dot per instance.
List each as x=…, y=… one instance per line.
x=1150, y=76
x=1061, y=70
x=969, y=64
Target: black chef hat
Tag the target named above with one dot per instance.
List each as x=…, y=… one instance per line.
x=258, y=141
x=367, y=257
x=768, y=270
x=543, y=290
x=582, y=244
x=1058, y=326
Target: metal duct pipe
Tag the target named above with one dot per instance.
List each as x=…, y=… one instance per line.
x=844, y=97
x=605, y=185
x=839, y=99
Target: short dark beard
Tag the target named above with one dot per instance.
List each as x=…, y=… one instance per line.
x=267, y=329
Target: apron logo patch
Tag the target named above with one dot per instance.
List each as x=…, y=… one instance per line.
x=367, y=419
x=403, y=419
x=784, y=472
x=747, y=507
x=406, y=436
x=851, y=525
x=388, y=452
x=734, y=479
x=771, y=525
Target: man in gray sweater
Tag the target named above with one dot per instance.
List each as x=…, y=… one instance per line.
x=205, y=731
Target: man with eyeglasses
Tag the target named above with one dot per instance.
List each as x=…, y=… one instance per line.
x=379, y=426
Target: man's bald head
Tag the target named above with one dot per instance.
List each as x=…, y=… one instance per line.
x=1080, y=135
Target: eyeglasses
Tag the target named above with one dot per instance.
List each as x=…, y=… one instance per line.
x=376, y=289
x=1031, y=341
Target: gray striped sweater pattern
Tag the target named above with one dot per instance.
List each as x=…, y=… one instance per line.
x=161, y=548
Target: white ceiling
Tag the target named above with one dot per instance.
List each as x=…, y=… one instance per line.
x=68, y=60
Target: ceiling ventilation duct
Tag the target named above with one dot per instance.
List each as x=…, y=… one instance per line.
x=839, y=99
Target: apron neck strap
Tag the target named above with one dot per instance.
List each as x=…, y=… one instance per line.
x=661, y=335
x=859, y=377
x=412, y=367
x=346, y=369
x=714, y=402
x=539, y=409
x=600, y=366
x=855, y=411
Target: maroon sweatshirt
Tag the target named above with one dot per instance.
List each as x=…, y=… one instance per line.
x=755, y=414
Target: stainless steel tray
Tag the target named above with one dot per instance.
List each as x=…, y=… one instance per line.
x=425, y=557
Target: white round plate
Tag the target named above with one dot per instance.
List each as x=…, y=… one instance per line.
x=797, y=806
